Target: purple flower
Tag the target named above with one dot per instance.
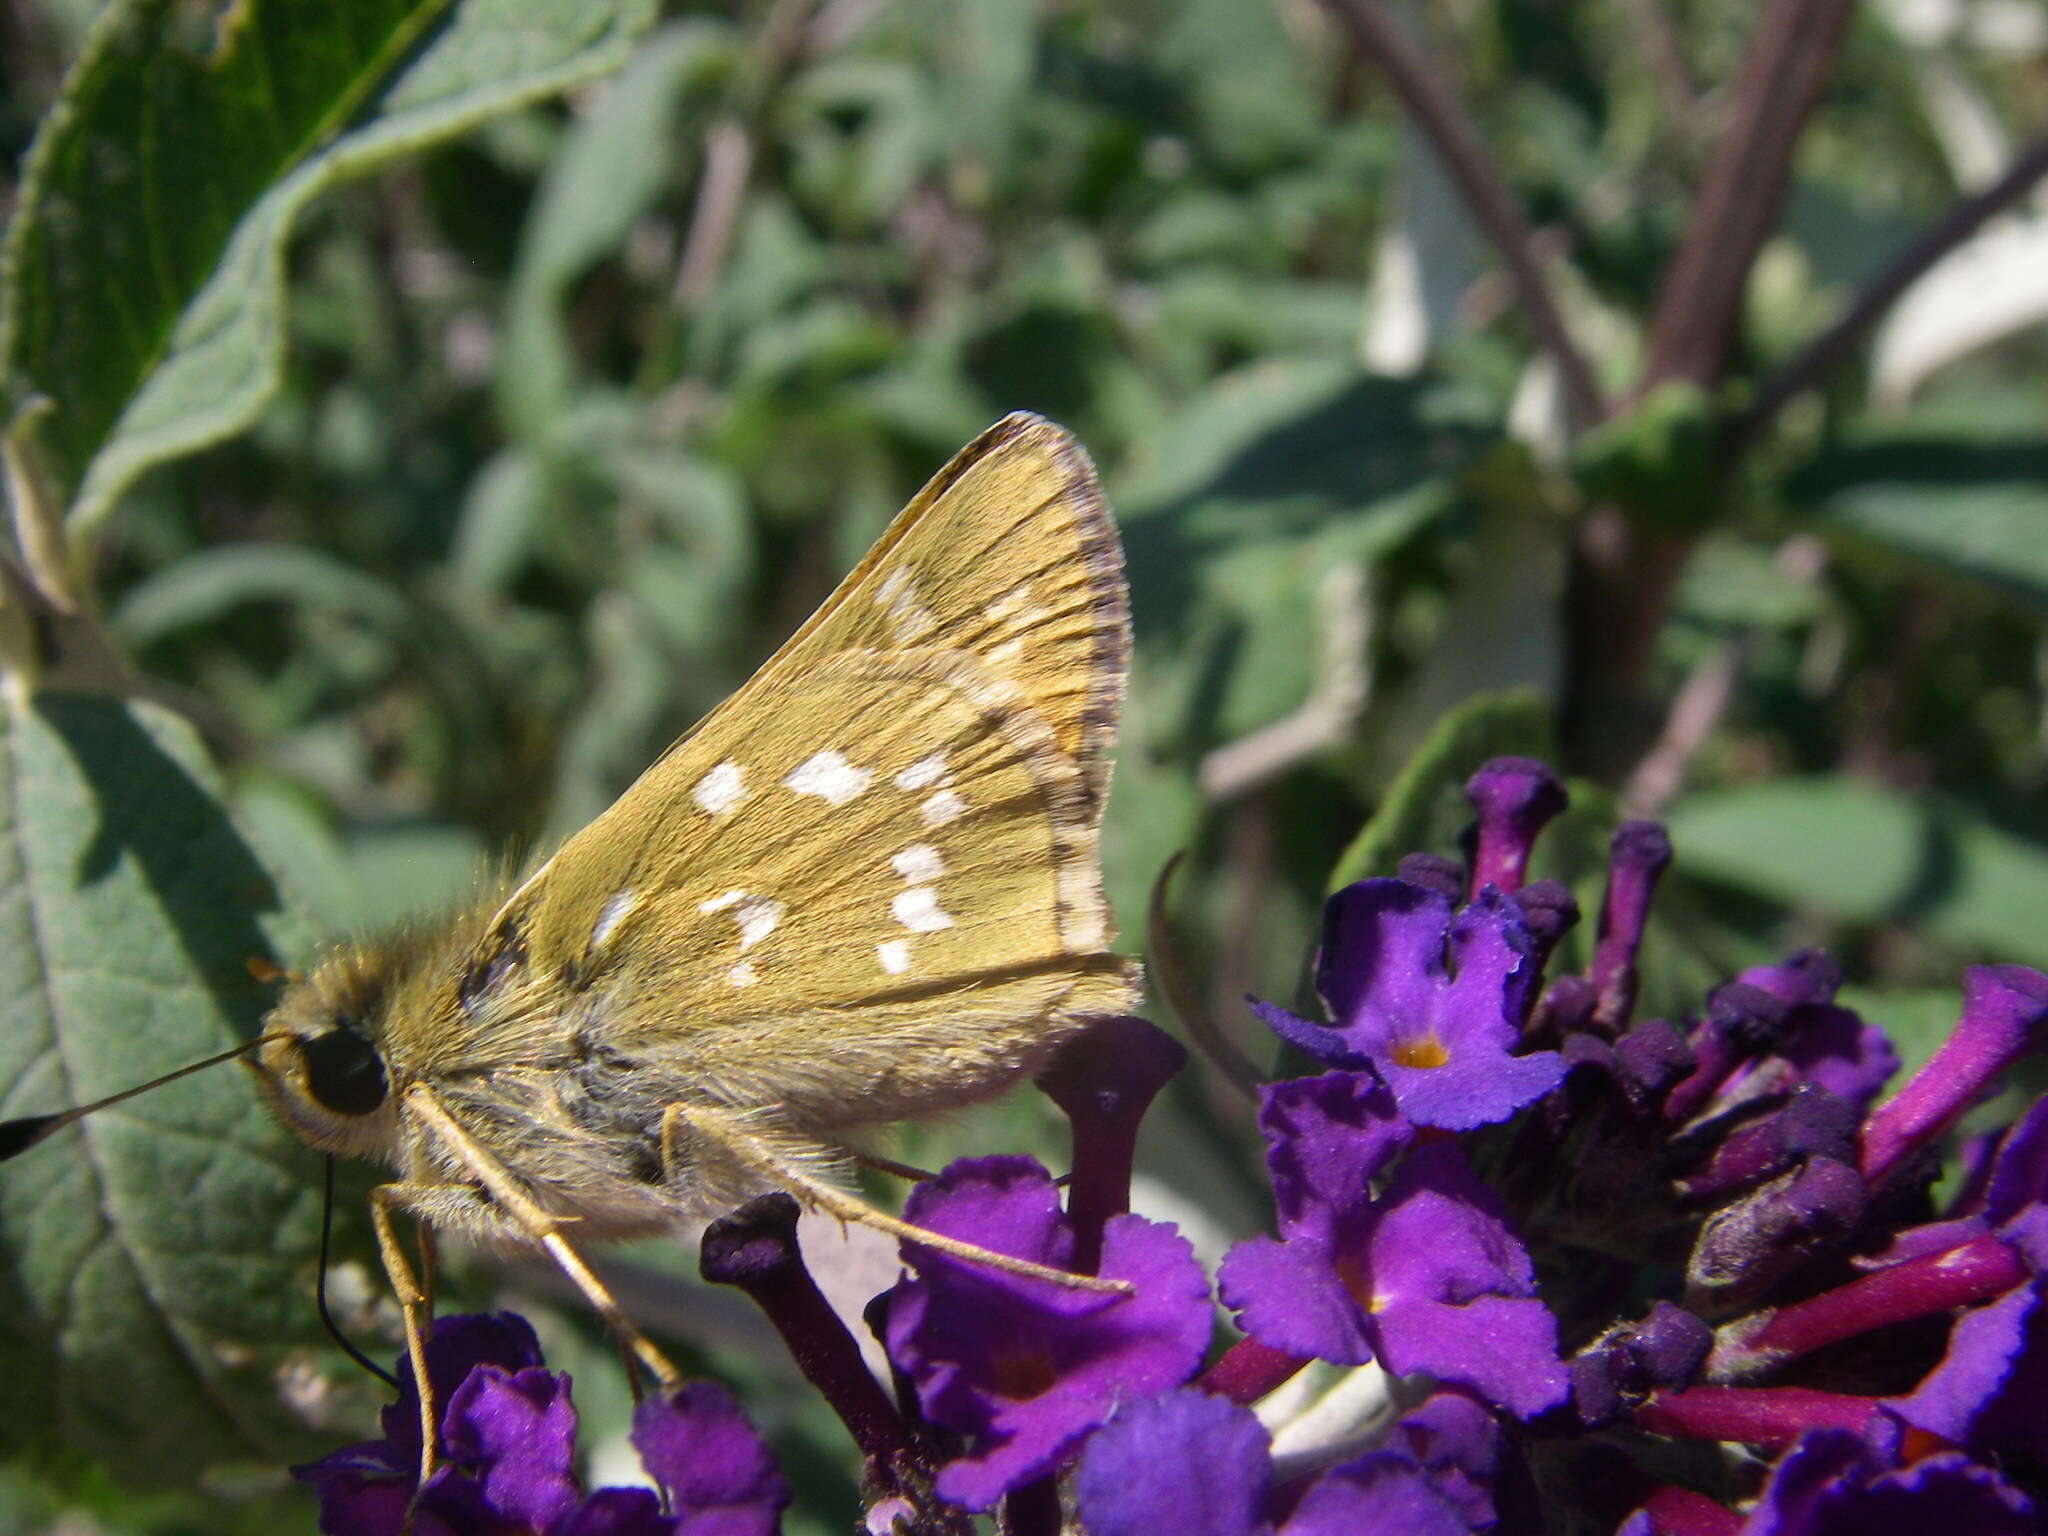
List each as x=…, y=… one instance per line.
x=1637, y=855
x=1326, y=1139
x=1184, y=1462
x=1195, y=1465
x=720, y=1480
x=2017, y=1171
x=1821, y=1043
x=1026, y=1368
x=2005, y=1015
x=1990, y=1391
x=1432, y=1001
x=1454, y=1443
x=507, y=1447
x=1835, y=1482
x=1514, y=799
x=1426, y=1278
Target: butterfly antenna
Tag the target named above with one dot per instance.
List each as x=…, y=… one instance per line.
x=17, y=1136
x=320, y=1286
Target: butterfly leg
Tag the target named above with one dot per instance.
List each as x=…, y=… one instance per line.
x=541, y=1228
x=413, y=1302
x=904, y=1171
x=731, y=1134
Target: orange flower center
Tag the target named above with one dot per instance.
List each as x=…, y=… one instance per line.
x=1355, y=1274
x=1423, y=1050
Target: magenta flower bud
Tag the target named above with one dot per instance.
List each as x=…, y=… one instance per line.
x=2005, y=1015
x=1665, y=1350
x=1636, y=855
x=1766, y=1416
x=1975, y=1271
x=1742, y=1022
x=1433, y=872
x=1549, y=911
x=1567, y=1008
x=1515, y=799
x=755, y=1248
x=1747, y=1247
x=1104, y=1081
x=1811, y=1123
x=1248, y=1370
x=1652, y=1058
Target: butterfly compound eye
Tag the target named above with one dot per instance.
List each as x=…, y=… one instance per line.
x=343, y=1072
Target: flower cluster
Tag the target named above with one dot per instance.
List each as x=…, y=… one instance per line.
x=507, y=1448
x=1664, y=1277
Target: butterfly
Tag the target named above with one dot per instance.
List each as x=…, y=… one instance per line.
x=865, y=888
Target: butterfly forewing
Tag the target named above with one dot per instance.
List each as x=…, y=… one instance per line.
x=883, y=850
x=1010, y=554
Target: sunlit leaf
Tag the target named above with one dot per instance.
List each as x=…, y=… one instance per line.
x=159, y=1254
x=144, y=277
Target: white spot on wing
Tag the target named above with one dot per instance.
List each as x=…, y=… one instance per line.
x=743, y=975
x=999, y=610
x=755, y=915
x=829, y=776
x=720, y=790
x=610, y=915
x=894, y=955
x=924, y=773
x=918, y=863
x=908, y=618
x=940, y=807
x=918, y=910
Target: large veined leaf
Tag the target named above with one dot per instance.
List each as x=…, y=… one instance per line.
x=1866, y=854
x=144, y=274
x=1969, y=504
x=155, y=1258
x=1240, y=505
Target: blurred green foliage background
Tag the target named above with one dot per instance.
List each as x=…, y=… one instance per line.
x=584, y=407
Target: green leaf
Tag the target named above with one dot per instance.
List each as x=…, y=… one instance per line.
x=1864, y=854
x=502, y=512
x=1739, y=585
x=1842, y=846
x=610, y=168
x=203, y=586
x=144, y=269
x=1242, y=504
x=160, y=1252
x=1657, y=462
x=1972, y=507
x=1426, y=805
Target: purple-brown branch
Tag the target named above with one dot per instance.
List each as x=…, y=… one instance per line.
x=1623, y=572
x=1744, y=190
x=1464, y=157
x=1821, y=356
